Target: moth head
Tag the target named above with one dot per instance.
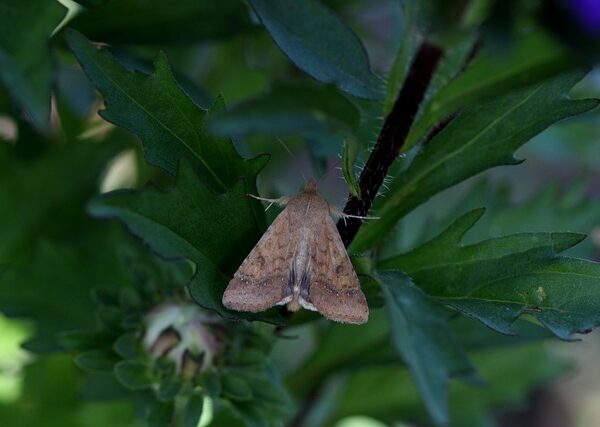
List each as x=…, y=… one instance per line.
x=311, y=187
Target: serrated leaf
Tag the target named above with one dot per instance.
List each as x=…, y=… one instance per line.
x=25, y=62
x=128, y=346
x=155, y=22
x=84, y=340
x=170, y=125
x=288, y=109
x=533, y=58
x=549, y=209
x=189, y=221
x=110, y=318
x=134, y=375
x=169, y=388
x=498, y=280
x=479, y=138
x=235, y=387
x=319, y=43
x=96, y=360
x=424, y=341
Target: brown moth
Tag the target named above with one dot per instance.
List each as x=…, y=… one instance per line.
x=300, y=261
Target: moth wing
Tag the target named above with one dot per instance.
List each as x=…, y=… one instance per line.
x=262, y=280
x=334, y=289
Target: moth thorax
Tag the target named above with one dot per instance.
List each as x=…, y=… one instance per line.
x=311, y=187
x=293, y=305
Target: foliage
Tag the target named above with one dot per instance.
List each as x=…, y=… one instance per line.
x=25, y=62
x=122, y=228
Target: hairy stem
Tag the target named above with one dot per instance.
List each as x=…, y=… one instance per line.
x=391, y=138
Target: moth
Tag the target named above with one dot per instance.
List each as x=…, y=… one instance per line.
x=300, y=261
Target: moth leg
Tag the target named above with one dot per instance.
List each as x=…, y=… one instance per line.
x=338, y=213
x=281, y=201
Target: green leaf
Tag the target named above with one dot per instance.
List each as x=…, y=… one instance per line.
x=510, y=375
x=54, y=206
x=550, y=209
x=155, y=22
x=111, y=318
x=478, y=139
x=351, y=149
x=134, y=375
x=319, y=43
x=193, y=410
x=424, y=341
x=128, y=346
x=82, y=340
x=215, y=231
x=36, y=288
x=288, y=109
x=51, y=396
x=25, y=62
x=91, y=3
x=168, y=389
x=211, y=383
x=96, y=360
x=170, y=125
x=533, y=58
x=497, y=280
x=160, y=414
x=368, y=346
x=235, y=387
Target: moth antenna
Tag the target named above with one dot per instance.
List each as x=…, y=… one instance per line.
x=358, y=217
x=281, y=201
x=337, y=212
x=285, y=147
x=291, y=157
x=336, y=165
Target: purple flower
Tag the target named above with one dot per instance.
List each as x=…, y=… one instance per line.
x=587, y=13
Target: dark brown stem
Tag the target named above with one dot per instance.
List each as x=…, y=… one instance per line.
x=438, y=128
x=392, y=137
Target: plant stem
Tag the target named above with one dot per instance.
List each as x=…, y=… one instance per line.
x=391, y=138
x=309, y=401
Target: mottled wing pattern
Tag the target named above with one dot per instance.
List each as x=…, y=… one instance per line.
x=262, y=279
x=334, y=288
